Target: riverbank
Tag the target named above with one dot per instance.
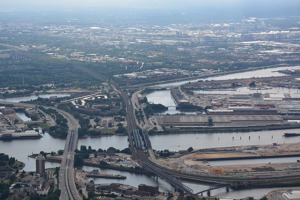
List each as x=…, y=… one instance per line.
x=22, y=95
x=236, y=166
x=195, y=78
x=297, y=155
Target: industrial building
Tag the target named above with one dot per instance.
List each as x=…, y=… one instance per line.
x=220, y=120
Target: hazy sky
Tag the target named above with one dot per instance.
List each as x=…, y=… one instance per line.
x=154, y=9
x=82, y=4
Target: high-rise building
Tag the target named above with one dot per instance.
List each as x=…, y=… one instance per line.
x=40, y=164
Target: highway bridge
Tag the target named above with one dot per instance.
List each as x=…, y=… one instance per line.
x=66, y=172
x=140, y=146
x=152, y=167
x=214, y=187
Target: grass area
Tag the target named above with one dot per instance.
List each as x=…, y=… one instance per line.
x=108, y=131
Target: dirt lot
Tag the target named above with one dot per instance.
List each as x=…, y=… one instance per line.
x=197, y=163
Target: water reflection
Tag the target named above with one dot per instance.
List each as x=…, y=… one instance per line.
x=209, y=140
x=256, y=73
x=119, y=142
x=164, y=97
x=33, y=97
x=20, y=149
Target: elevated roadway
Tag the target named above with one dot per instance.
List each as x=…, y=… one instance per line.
x=140, y=147
x=67, y=173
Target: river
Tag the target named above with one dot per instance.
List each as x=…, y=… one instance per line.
x=33, y=97
x=268, y=72
x=163, y=97
x=213, y=140
x=20, y=149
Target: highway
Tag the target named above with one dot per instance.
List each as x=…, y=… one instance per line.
x=140, y=147
x=66, y=172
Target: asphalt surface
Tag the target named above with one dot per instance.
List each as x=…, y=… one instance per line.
x=67, y=172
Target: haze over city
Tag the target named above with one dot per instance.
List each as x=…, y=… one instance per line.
x=200, y=7
x=156, y=100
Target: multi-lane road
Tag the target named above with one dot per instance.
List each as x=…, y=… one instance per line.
x=140, y=146
x=67, y=172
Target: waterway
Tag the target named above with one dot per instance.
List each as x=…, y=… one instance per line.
x=132, y=179
x=116, y=141
x=163, y=97
x=20, y=149
x=33, y=97
x=269, y=72
x=212, y=140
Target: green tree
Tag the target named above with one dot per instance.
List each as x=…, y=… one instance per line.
x=78, y=160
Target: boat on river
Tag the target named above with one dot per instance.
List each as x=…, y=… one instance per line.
x=13, y=135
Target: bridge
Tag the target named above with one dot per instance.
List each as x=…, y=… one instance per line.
x=152, y=167
x=140, y=146
x=214, y=187
x=67, y=172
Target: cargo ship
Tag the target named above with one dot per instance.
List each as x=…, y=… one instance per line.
x=291, y=134
x=13, y=135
